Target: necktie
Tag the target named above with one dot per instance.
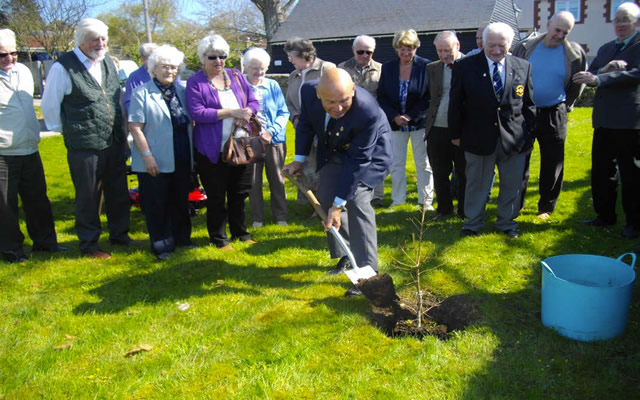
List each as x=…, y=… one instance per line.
x=619, y=47
x=497, y=81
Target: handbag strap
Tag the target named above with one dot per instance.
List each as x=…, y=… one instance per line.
x=230, y=140
x=244, y=97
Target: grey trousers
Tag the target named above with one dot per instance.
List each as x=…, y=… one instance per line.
x=479, y=172
x=95, y=172
x=358, y=220
x=273, y=163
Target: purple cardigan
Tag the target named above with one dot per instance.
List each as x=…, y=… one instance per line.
x=203, y=104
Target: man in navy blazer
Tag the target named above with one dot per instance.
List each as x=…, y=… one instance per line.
x=354, y=156
x=492, y=117
x=615, y=72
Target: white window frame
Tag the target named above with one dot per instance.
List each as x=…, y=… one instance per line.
x=566, y=5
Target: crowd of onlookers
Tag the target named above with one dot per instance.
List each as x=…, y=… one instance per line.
x=464, y=116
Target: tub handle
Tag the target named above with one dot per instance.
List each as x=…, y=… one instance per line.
x=544, y=264
x=633, y=259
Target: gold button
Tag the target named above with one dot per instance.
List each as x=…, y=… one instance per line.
x=495, y=124
x=499, y=109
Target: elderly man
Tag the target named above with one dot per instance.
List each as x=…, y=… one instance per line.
x=478, y=42
x=492, y=117
x=443, y=155
x=139, y=76
x=616, y=121
x=82, y=101
x=554, y=60
x=365, y=72
x=354, y=155
x=21, y=171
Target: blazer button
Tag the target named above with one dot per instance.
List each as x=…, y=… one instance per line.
x=499, y=109
x=495, y=124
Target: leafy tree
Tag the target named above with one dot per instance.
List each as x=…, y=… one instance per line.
x=274, y=12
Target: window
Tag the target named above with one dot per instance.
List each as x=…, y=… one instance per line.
x=611, y=6
x=573, y=6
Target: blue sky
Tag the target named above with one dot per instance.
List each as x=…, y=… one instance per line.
x=190, y=9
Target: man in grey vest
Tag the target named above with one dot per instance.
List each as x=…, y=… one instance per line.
x=82, y=100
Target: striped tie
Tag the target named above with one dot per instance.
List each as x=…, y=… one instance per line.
x=497, y=81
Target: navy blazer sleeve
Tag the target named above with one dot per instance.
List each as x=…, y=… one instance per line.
x=305, y=129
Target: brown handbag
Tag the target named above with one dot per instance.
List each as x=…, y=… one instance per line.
x=249, y=149
x=245, y=150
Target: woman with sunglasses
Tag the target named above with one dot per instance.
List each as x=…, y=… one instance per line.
x=218, y=99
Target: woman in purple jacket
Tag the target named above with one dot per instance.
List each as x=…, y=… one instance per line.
x=219, y=98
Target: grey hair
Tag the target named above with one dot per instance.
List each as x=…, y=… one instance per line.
x=212, y=43
x=7, y=38
x=146, y=49
x=499, y=28
x=446, y=35
x=302, y=48
x=631, y=9
x=256, y=53
x=90, y=26
x=165, y=54
x=365, y=39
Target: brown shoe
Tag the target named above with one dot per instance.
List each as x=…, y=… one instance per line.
x=226, y=248
x=249, y=241
x=98, y=254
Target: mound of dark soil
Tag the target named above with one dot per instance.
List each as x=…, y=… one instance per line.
x=397, y=317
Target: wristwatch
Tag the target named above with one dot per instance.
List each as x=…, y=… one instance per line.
x=340, y=207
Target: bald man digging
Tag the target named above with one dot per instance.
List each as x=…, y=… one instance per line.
x=354, y=155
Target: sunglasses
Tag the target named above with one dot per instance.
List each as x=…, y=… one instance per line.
x=13, y=54
x=361, y=52
x=217, y=57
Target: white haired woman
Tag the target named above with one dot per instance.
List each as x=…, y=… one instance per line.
x=161, y=130
x=218, y=99
x=273, y=114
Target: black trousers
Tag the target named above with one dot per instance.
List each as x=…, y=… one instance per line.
x=551, y=133
x=95, y=172
x=611, y=148
x=164, y=200
x=444, y=157
x=227, y=189
x=24, y=176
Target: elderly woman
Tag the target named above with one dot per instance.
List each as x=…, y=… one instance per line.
x=161, y=130
x=273, y=114
x=403, y=95
x=308, y=67
x=219, y=99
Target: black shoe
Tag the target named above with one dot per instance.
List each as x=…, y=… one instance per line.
x=440, y=216
x=56, y=249
x=377, y=203
x=122, y=242
x=343, y=264
x=14, y=256
x=469, y=232
x=512, y=233
x=630, y=232
x=353, y=292
x=598, y=221
x=163, y=256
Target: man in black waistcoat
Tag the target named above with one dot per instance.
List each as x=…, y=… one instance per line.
x=82, y=100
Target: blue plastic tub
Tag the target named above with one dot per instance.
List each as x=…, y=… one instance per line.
x=587, y=297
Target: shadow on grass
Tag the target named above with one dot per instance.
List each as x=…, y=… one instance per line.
x=186, y=280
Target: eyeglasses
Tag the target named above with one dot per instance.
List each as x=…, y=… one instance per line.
x=361, y=52
x=13, y=54
x=170, y=68
x=217, y=57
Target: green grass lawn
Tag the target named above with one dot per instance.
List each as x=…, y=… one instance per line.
x=266, y=322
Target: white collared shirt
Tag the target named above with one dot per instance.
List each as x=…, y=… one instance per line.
x=501, y=69
x=58, y=85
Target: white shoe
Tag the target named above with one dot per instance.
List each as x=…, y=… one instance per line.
x=257, y=225
x=429, y=207
x=281, y=223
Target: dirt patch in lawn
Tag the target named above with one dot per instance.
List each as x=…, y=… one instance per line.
x=397, y=316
